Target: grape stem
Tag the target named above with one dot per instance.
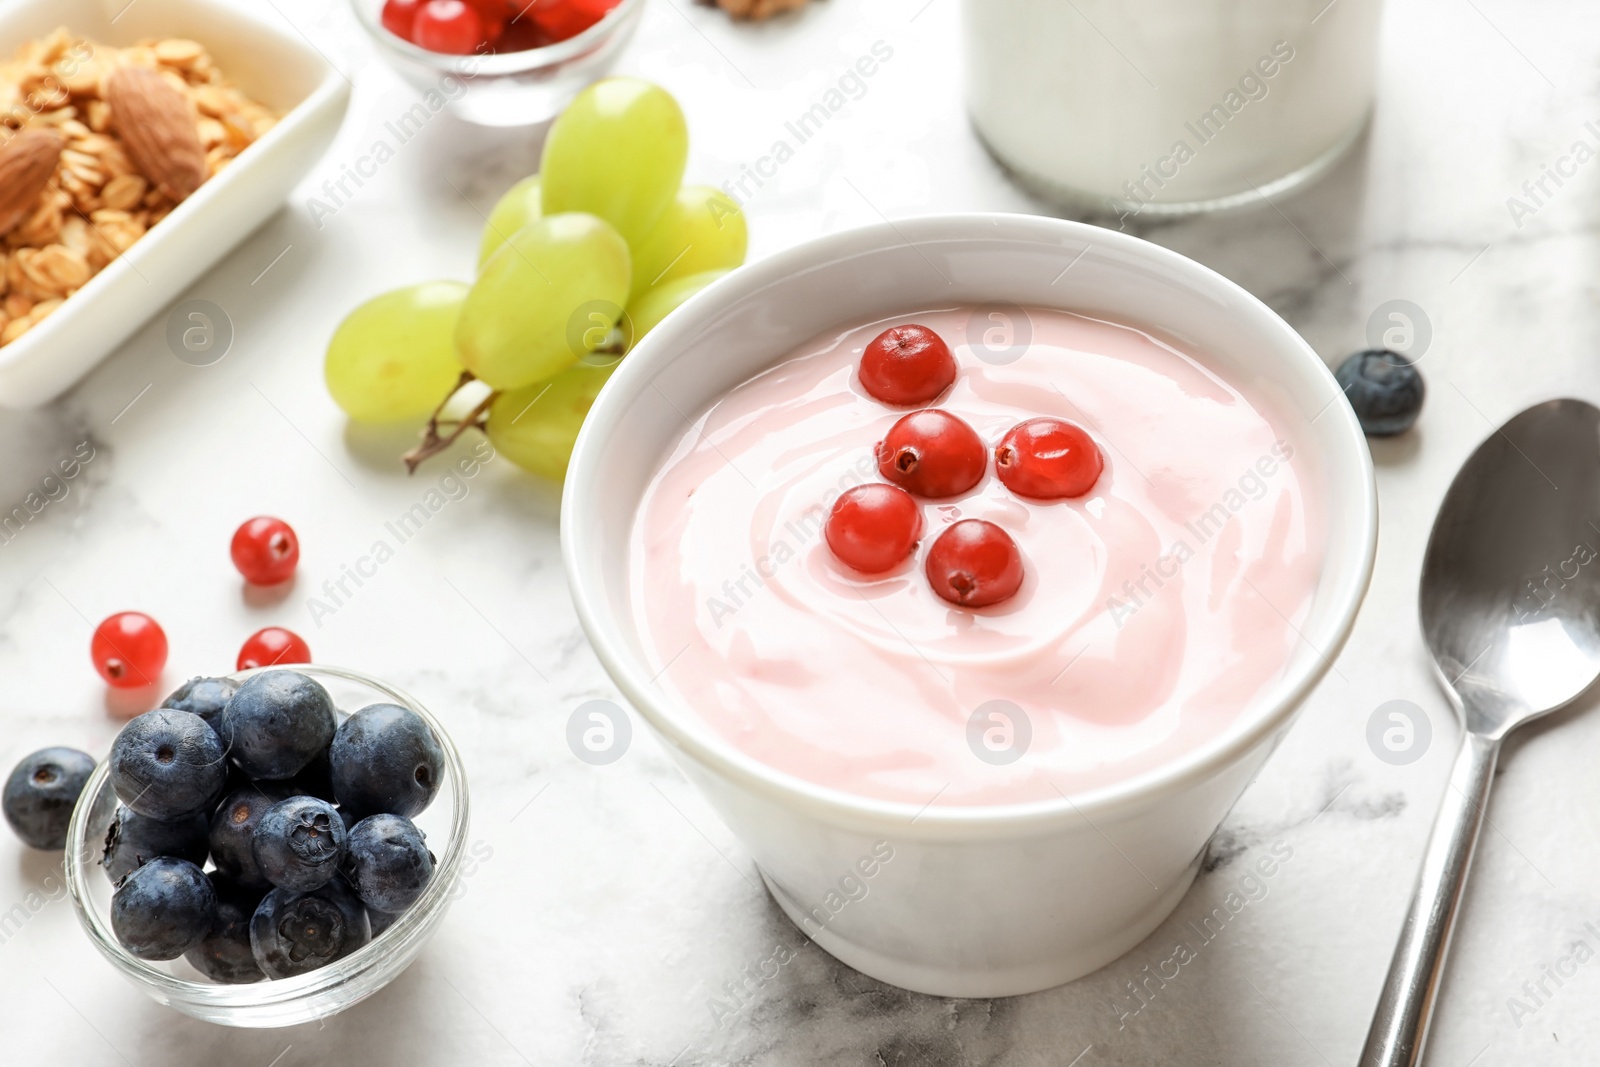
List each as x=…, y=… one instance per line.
x=433, y=442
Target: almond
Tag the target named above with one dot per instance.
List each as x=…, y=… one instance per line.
x=155, y=123
x=27, y=163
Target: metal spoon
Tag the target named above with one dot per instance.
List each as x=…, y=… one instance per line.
x=1511, y=612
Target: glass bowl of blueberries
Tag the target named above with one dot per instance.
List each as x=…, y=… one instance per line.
x=269, y=847
x=496, y=62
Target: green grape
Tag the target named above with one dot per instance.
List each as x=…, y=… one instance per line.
x=646, y=310
x=520, y=206
x=394, y=356
x=617, y=151
x=702, y=230
x=532, y=312
x=536, y=427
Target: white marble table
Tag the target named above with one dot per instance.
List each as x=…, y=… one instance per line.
x=615, y=905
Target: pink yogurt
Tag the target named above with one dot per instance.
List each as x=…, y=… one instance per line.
x=1155, y=609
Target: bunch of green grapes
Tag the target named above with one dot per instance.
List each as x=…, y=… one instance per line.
x=577, y=263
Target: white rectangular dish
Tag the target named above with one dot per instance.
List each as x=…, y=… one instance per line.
x=267, y=61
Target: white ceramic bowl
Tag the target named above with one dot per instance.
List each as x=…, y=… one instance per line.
x=976, y=901
x=271, y=63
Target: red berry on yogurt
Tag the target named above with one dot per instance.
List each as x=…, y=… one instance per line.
x=265, y=550
x=273, y=647
x=933, y=454
x=1048, y=458
x=873, y=527
x=129, y=649
x=974, y=564
x=907, y=365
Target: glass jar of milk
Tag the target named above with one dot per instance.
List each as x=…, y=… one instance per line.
x=1146, y=107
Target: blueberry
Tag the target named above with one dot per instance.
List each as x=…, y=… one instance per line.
x=233, y=828
x=1385, y=388
x=386, y=761
x=204, y=697
x=379, y=921
x=387, y=863
x=41, y=792
x=316, y=780
x=134, y=839
x=224, y=955
x=167, y=763
x=299, y=843
x=163, y=909
x=236, y=780
x=292, y=933
x=277, y=723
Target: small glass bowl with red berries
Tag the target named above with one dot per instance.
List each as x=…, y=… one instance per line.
x=498, y=62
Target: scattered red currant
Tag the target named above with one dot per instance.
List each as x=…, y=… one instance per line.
x=265, y=550
x=932, y=453
x=1047, y=458
x=448, y=26
x=273, y=647
x=873, y=527
x=974, y=564
x=129, y=650
x=400, y=15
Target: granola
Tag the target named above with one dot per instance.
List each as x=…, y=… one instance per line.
x=98, y=204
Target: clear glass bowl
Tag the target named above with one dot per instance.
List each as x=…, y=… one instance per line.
x=506, y=88
x=305, y=997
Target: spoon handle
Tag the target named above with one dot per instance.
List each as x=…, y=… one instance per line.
x=1400, y=1023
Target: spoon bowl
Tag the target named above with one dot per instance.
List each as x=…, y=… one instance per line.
x=1510, y=607
x=1510, y=597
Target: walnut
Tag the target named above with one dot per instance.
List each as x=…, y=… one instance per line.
x=758, y=9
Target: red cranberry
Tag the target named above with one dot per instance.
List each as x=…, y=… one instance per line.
x=562, y=19
x=907, y=365
x=974, y=564
x=873, y=527
x=400, y=15
x=521, y=35
x=932, y=453
x=1047, y=458
x=448, y=26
